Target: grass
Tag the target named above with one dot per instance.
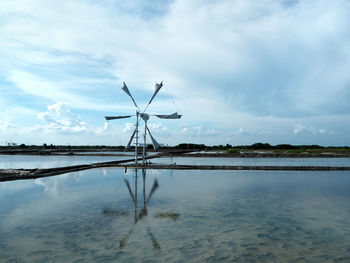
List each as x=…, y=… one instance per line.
x=338, y=150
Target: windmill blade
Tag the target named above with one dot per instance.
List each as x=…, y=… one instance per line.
x=154, y=142
x=153, y=239
x=153, y=189
x=117, y=117
x=125, y=239
x=125, y=88
x=157, y=88
x=131, y=138
x=169, y=116
x=129, y=189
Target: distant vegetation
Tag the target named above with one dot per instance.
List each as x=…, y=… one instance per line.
x=280, y=148
x=45, y=148
x=288, y=148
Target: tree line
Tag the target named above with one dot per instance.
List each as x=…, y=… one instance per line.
x=182, y=146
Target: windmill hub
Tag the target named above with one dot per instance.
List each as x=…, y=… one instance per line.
x=144, y=116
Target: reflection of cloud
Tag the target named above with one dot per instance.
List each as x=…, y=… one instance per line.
x=53, y=185
x=16, y=185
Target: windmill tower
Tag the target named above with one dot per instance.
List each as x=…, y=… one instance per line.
x=145, y=117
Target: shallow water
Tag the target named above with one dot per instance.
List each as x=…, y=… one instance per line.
x=192, y=216
x=121, y=153
x=255, y=161
x=43, y=161
x=107, y=152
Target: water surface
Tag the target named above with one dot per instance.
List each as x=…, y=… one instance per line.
x=44, y=161
x=254, y=161
x=191, y=216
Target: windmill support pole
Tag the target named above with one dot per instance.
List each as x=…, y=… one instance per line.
x=137, y=136
x=144, y=187
x=144, y=145
x=135, y=194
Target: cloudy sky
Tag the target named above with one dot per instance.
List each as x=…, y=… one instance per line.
x=240, y=71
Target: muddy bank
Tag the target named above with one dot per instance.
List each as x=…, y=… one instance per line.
x=62, y=153
x=19, y=174
x=265, y=155
x=239, y=167
x=248, y=154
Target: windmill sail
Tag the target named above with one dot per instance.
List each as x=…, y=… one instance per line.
x=129, y=189
x=154, y=142
x=170, y=116
x=158, y=87
x=131, y=138
x=125, y=88
x=154, y=188
x=117, y=117
x=153, y=239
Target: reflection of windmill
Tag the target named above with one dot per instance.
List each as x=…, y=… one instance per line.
x=145, y=118
x=143, y=213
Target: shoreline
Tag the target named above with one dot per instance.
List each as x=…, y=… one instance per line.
x=23, y=174
x=20, y=174
x=187, y=154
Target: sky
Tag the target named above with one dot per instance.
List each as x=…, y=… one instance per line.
x=239, y=71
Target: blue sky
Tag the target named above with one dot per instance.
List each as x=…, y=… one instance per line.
x=240, y=71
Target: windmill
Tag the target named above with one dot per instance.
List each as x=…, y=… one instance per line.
x=145, y=117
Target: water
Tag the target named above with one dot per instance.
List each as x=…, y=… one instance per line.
x=44, y=161
x=192, y=216
x=121, y=153
x=106, y=152
x=255, y=161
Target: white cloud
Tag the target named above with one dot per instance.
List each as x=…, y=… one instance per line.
x=157, y=128
x=300, y=128
x=227, y=63
x=60, y=119
x=129, y=127
x=105, y=129
x=37, y=86
x=6, y=125
x=198, y=131
x=322, y=131
x=243, y=131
